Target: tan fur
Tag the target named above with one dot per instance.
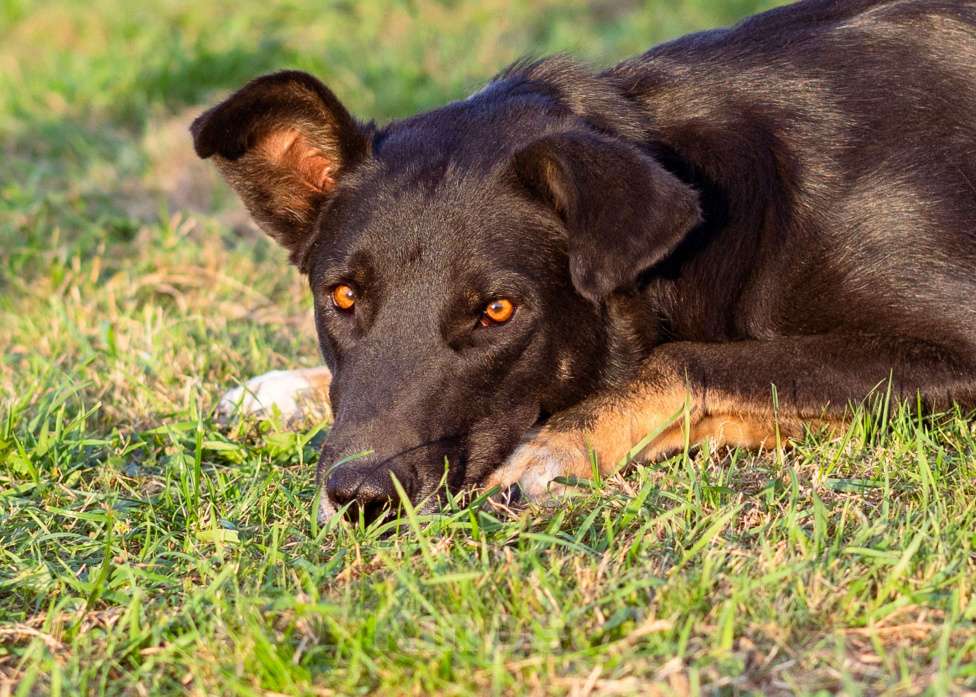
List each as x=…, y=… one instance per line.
x=741, y=431
x=655, y=417
x=290, y=150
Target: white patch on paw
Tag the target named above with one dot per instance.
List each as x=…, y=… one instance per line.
x=537, y=463
x=537, y=481
x=281, y=389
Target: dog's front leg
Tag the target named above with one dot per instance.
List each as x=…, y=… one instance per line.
x=295, y=394
x=654, y=408
x=692, y=392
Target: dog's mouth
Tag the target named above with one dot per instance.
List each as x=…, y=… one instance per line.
x=355, y=511
x=385, y=484
x=369, y=512
x=427, y=497
x=428, y=486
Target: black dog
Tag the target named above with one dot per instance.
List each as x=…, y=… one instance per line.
x=568, y=260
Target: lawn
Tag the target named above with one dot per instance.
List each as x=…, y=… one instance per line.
x=146, y=551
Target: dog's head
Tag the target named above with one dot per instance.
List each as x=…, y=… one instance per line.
x=460, y=262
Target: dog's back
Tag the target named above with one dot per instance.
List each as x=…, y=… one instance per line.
x=838, y=141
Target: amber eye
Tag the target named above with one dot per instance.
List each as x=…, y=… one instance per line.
x=497, y=312
x=344, y=297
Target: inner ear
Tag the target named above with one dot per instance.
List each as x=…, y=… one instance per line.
x=623, y=212
x=288, y=149
x=283, y=142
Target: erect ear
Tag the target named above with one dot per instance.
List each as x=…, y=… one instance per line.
x=282, y=142
x=622, y=210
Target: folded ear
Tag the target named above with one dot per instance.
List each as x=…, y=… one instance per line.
x=282, y=142
x=622, y=210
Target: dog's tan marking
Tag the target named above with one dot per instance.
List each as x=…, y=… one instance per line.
x=615, y=424
x=742, y=431
x=564, y=368
x=653, y=420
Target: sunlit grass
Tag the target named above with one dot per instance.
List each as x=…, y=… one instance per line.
x=145, y=551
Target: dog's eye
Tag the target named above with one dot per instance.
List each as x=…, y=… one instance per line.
x=497, y=312
x=344, y=297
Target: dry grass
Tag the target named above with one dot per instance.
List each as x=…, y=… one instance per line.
x=143, y=551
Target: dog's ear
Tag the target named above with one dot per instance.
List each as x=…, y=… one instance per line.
x=622, y=210
x=282, y=142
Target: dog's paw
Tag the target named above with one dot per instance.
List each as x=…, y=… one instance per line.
x=544, y=456
x=291, y=392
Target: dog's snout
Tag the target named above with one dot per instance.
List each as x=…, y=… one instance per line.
x=366, y=464
x=366, y=487
x=363, y=483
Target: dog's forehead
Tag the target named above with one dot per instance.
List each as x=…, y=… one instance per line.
x=456, y=222
x=462, y=234
x=438, y=193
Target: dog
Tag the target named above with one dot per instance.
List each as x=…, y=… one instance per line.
x=574, y=266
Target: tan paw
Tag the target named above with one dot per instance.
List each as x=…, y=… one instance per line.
x=544, y=456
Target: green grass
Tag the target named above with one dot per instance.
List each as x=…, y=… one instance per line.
x=143, y=551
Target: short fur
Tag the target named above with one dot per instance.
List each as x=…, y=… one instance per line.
x=789, y=202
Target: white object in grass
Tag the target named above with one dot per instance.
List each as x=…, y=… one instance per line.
x=294, y=393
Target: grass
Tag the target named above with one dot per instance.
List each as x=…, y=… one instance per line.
x=144, y=551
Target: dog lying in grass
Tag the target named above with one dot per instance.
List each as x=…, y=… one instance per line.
x=571, y=263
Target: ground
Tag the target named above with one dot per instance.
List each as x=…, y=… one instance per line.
x=145, y=551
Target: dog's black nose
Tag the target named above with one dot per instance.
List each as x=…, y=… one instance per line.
x=367, y=487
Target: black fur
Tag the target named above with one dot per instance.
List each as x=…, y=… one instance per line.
x=790, y=201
